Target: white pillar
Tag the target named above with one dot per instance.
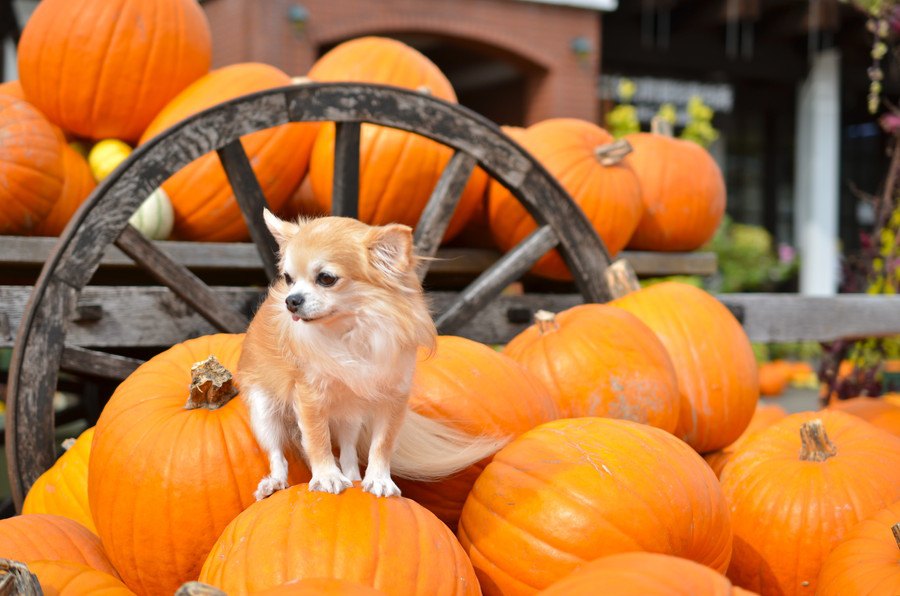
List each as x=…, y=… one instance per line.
x=816, y=186
x=9, y=60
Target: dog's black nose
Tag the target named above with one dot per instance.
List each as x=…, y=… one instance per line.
x=294, y=302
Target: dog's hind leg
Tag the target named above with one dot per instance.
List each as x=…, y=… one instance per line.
x=347, y=432
x=269, y=427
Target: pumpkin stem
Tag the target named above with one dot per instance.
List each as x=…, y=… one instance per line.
x=661, y=126
x=612, y=153
x=68, y=443
x=816, y=444
x=896, y=530
x=16, y=579
x=211, y=385
x=198, y=589
x=424, y=89
x=545, y=321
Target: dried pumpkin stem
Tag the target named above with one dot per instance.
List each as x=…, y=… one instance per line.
x=816, y=444
x=896, y=530
x=198, y=589
x=424, y=89
x=15, y=578
x=211, y=385
x=661, y=126
x=613, y=153
x=546, y=322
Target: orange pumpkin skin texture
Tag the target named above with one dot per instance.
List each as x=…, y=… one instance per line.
x=391, y=544
x=788, y=512
x=320, y=587
x=599, y=360
x=642, y=574
x=397, y=170
x=204, y=204
x=570, y=491
x=682, y=191
x=865, y=561
x=78, y=183
x=31, y=166
x=62, y=490
x=479, y=391
x=878, y=411
x=609, y=195
x=765, y=416
x=104, y=69
x=164, y=481
x=714, y=361
x=13, y=88
x=64, y=578
x=41, y=536
x=773, y=379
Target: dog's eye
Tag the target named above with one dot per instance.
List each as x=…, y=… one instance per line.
x=288, y=279
x=326, y=279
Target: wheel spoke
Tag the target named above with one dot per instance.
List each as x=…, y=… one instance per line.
x=97, y=364
x=345, y=184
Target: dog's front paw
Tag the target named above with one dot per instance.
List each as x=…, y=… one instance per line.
x=267, y=486
x=330, y=482
x=381, y=486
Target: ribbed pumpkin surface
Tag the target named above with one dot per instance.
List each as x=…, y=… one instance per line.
x=574, y=490
x=78, y=183
x=392, y=544
x=878, y=411
x=765, y=416
x=164, y=481
x=40, y=537
x=103, y=69
x=320, y=587
x=64, y=578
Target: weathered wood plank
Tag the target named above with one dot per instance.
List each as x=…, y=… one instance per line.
x=345, y=181
x=97, y=364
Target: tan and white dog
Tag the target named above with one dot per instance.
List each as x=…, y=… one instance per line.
x=329, y=359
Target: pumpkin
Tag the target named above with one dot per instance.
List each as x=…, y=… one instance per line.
x=320, y=586
x=877, y=410
x=64, y=578
x=106, y=155
x=31, y=166
x=599, y=360
x=480, y=392
x=204, y=203
x=570, y=491
x=173, y=476
x=682, y=191
x=796, y=488
x=301, y=203
x=865, y=561
x=397, y=170
x=13, y=88
x=62, y=490
x=583, y=158
x=773, y=379
x=392, y=544
x=42, y=536
x=104, y=69
x=765, y=416
x=643, y=574
x=78, y=184
x=714, y=362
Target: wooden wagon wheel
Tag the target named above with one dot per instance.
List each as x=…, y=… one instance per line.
x=40, y=349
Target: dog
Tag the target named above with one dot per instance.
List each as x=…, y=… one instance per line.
x=329, y=357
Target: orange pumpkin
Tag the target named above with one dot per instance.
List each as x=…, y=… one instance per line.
x=392, y=544
x=78, y=183
x=604, y=186
x=13, y=88
x=204, y=204
x=570, y=491
x=41, y=536
x=643, y=574
x=598, y=360
x=876, y=410
x=481, y=392
x=301, y=203
x=174, y=477
x=64, y=578
x=682, y=190
x=796, y=488
x=320, y=586
x=62, y=490
x=765, y=416
x=773, y=379
x=714, y=361
x=104, y=69
x=397, y=170
x=31, y=166
x=865, y=561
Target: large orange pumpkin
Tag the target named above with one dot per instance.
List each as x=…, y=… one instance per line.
x=573, y=490
x=877, y=410
x=163, y=480
x=64, y=578
x=765, y=416
x=62, y=490
x=796, y=488
x=392, y=544
x=866, y=560
x=41, y=536
x=103, y=69
x=604, y=186
x=31, y=166
x=320, y=586
x=204, y=204
x=643, y=574
x=713, y=358
x=478, y=391
x=397, y=170
x=682, y=190
x=13, y=88
x=599, y=360
x=78, y=183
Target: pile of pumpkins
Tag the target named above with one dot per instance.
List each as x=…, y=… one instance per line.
x=121, y=73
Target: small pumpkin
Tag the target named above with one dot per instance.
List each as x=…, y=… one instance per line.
x=765, y=416
x=106, y=155
x=773, y=379
x=78, y=184
x=65, y=578
x=879, y=411
x=41, y=536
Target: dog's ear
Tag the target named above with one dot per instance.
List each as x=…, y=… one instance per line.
x=280, y=229
x=391, y=249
